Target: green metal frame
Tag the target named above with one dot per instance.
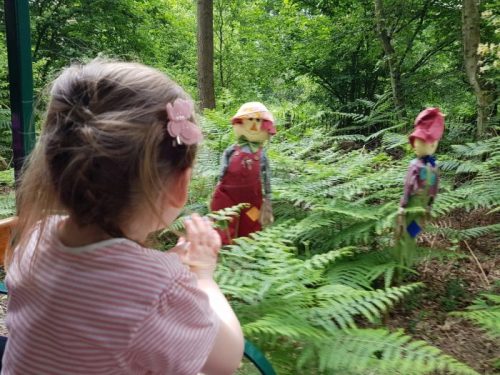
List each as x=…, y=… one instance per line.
x=258, y=359
x=17, y=26
x=18, y=32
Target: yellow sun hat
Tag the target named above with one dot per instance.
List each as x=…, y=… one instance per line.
x=255, y=109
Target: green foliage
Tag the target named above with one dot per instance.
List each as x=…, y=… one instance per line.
x=310, y=323
x=351, y=197
x=485, y=312
x=7, y=178
x=7, y=205
x=362, y=270
x=305, y=287
x=383, y=352
x=469, y=233
x=219, y=218
x=342, y=205
x=453, y=294
x=5, y=137
x=474, y=167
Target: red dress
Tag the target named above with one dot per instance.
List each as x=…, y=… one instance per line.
x=241, y=183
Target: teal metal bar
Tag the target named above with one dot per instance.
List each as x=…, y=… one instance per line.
x=258, y=359
x=17, y=24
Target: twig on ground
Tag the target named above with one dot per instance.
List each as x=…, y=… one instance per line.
x=485, y=278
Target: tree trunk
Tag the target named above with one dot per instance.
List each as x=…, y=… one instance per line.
x=205, y=36
x=220, y=39
x=471, y=37
x=394, y=69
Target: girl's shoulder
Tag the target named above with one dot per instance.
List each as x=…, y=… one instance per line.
x=115, y=261
x=127, y=260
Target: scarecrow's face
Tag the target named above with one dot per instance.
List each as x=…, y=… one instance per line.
x=250, y=128
x=423, y=149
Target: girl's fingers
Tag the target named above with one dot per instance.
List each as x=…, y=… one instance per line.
x=181, y=249
x=204, y=241
x=201, y=224
x=196, y=225
x=191, y=228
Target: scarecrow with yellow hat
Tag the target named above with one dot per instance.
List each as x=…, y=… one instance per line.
x=421, y=183
x=245, y=176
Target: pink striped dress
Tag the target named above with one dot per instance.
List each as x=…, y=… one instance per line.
x=112, y=307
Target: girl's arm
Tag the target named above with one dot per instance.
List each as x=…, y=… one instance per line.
x=227, y=351
x=204, y=244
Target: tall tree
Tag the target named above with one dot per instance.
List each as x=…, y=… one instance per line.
x=390, y=55
x=205, y=36
x=471, y=37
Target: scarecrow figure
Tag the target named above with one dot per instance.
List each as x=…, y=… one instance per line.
x=421, y=183
x=245, y=175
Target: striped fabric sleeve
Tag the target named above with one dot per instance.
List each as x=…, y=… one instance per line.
x=178, y=334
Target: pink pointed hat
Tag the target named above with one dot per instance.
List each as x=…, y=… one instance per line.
x=429, y=126
x=253, y=108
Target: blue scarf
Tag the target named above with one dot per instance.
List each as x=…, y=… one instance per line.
x=429, y=159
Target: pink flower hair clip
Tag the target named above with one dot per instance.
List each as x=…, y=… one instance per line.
x=179, y=126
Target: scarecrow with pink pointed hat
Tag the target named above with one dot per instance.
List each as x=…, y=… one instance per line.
x=421, y=183
x=245, y=175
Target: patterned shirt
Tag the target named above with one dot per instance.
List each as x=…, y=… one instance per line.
x=113, y=307
x=417, y=178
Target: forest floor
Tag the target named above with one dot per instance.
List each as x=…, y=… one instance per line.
x=452, y=281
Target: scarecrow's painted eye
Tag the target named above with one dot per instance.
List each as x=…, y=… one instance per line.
x=250, y=118
x=258, y=119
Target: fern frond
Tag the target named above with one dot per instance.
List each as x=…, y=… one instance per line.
x=465, y=234
x=485, y=312
x=321, y=261
x=393, y=140
x=382, y=352
x=7, y=205
x=287, y=323
x=219, y=217
x=341, y=304
x=360, y=272
x=478, y=148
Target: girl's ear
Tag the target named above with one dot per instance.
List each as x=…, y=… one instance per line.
x=176, y=194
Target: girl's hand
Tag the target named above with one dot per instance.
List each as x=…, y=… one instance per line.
x=201, y=246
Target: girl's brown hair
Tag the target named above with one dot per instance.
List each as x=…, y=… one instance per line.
x=103, y=149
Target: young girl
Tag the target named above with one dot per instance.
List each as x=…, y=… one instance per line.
x=112, y=165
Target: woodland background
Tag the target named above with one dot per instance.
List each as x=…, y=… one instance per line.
x=345, y=79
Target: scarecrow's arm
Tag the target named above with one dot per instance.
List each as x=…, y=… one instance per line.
x=411, y=183
x=224, y=162
x=266, y=175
